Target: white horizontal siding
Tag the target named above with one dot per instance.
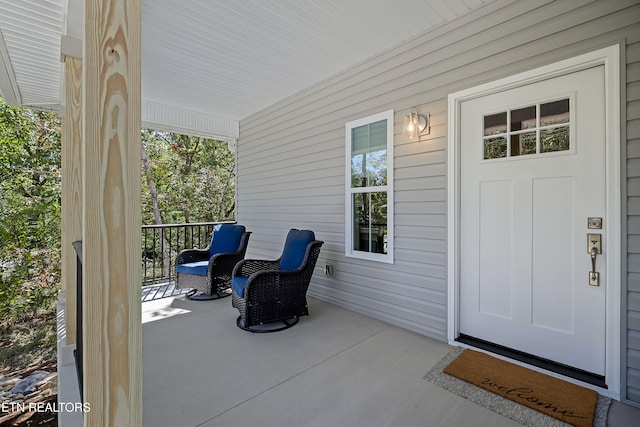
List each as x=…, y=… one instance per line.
x=633, y=219
x=291, y=155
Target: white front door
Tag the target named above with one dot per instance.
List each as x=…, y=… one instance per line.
x=532, y=172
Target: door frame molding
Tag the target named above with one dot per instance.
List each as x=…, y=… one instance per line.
x=609, y=57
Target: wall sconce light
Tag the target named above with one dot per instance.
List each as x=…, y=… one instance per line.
x=415, y=124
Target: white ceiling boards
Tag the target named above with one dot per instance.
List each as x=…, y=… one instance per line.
x=224, y=58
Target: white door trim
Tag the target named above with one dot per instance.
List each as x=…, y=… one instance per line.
x=610, y=58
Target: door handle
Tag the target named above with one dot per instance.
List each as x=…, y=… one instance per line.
x=594, y=247
x=594, y=276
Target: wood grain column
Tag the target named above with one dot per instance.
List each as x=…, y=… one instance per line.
x=111, y=231
x=71, y=187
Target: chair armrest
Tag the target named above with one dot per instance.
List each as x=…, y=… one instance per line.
x=276, y=284
x=247, y=267
x=192, y=255
x=224, y=262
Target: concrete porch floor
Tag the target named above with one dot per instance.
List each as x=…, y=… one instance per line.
x=334, y=368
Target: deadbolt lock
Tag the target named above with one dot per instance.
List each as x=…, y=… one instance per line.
x=594, y=222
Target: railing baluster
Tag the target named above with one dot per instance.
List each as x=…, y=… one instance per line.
x=153, y=265
x=144, y=254
x=169, y=252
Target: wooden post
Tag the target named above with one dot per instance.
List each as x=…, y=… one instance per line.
x=71, y=187
x=112, y=223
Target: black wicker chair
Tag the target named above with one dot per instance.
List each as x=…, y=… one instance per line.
x=208, y=271
x=265, y=292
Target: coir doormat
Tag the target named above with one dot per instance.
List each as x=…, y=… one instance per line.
x=559, y=399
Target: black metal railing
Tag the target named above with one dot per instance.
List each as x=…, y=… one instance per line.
x=162, y=243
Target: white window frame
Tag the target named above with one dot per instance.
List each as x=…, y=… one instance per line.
x=349, y=191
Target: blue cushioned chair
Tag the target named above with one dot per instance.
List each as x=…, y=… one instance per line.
x=271, y=295
x=208, y=271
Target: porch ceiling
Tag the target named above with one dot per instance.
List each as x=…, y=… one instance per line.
x=224, y=58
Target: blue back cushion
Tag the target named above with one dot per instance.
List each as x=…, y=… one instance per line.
x=295, y=248
x=226, y=239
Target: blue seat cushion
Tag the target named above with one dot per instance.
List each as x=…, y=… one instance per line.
x=196, y=268
x=238, y=284
x=294, y=248
x=226, y=239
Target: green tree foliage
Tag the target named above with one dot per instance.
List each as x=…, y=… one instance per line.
x=194, y=178
x=30, y=177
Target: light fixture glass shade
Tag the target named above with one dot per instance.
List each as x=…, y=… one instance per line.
x=410, y=128
x=414, y=124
